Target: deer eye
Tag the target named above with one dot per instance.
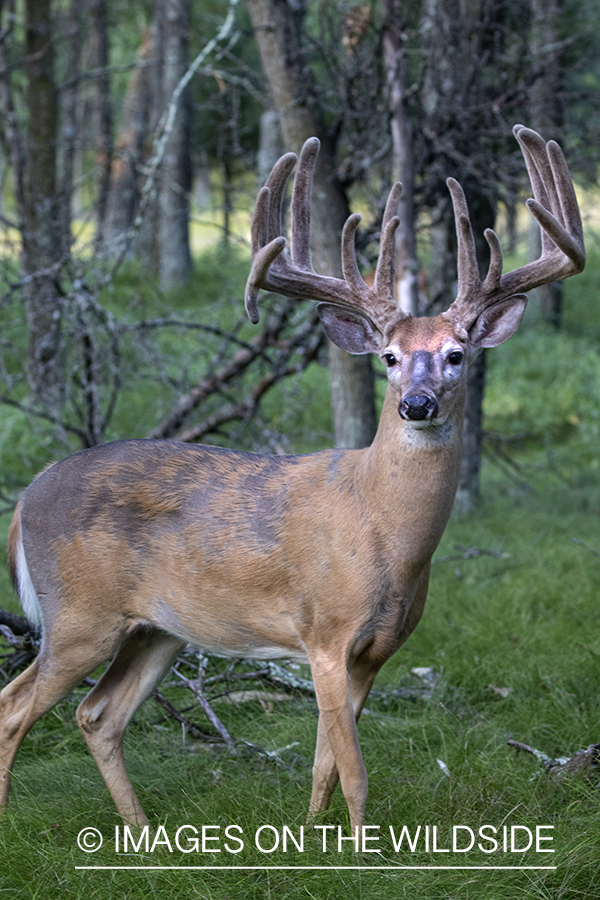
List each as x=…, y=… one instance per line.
x=389, y=359
x=455, y=358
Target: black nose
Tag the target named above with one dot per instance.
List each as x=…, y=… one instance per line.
x=418, y=407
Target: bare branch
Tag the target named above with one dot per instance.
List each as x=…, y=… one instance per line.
x=194, y=730
x=196, y=687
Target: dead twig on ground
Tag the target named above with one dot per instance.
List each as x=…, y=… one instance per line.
x=581, y=763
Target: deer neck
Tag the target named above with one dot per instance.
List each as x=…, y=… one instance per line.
x=412, y=474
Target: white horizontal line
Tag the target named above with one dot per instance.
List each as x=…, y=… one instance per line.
x=322, y=868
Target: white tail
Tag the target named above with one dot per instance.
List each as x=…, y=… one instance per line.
x=138, y=547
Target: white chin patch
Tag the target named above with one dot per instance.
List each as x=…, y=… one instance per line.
x=428, y=433
x=423, y=424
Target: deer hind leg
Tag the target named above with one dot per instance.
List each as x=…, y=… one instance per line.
x=15, y=722
x=48, y=680
x=338, y=756
x=138, y=666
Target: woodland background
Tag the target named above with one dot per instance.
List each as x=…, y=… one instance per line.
x=134, y=137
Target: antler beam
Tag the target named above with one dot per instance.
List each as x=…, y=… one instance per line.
x=295, y=277
x=554, y=205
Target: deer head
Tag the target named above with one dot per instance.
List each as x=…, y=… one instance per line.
x=426, y=358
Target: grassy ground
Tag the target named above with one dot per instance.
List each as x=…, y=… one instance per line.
x=512, y=645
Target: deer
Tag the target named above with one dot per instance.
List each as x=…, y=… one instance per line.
x=133, y=549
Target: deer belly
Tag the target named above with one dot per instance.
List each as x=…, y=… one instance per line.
x=231, y=628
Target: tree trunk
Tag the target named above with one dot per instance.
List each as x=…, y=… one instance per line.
x=458, y=28
x=467, y=495
x=278, y=27
x=130, y=148
x=546, y=117
x=271, y=144
x=41, y=223
x=104, y=116
x=403, y=164
x=175, y=259
x=439, y=93
x=145, y=247
x=442, y=275
x=70, y=121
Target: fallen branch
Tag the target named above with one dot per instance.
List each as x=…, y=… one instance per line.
x=581, y=763
x=23, y=639
x=585, y=547
x=194, y=730
x=197, y=688
x=471, y=553
x=290, y=357
x=19, y=625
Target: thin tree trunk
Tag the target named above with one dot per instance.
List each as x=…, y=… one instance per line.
x=227, y=197
x=439, y=91
x=41, y=224
x=442, y=240
x=271, y=144
x=70, y=120
x=175, y=259
x=104, y=116
x=403, y=165
x=13, y=133
x=130, y=146
x=277, y=26
x=145, y=247
x=545, y=117
x=467, y=495
x=447, y=84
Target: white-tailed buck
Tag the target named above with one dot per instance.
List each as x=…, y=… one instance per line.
x=139, y=547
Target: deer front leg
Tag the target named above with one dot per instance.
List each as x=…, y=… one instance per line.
x=338, y=755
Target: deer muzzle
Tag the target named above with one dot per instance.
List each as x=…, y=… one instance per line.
x=418, y=407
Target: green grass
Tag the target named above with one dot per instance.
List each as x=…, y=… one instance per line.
x=526, y=619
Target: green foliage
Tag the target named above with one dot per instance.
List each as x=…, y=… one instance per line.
x=166, y=347
x=544, y=385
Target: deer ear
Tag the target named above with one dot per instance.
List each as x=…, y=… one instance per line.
x=349, y=330
x=497, y=323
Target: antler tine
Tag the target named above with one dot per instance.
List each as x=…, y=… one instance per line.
x=301, y=196
x=350, y=269
x=386, y=263
x=276, y=183
x=533, y=148
x=494, y=273
x=564, y=227
x=554, y=205
x=566, y=191
x=541, y=176
x=266, y=240
x=468, y=270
